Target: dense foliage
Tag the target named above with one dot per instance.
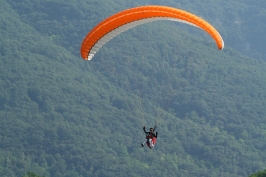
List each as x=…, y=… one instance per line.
x=259, y=174
x=62, y=116
x=30, y=174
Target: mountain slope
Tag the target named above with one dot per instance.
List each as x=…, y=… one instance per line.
x=62, y=116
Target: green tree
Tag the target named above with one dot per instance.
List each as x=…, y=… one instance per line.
x=31, y=174
x=259, y=174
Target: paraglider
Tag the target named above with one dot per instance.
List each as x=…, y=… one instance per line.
x=129, y=18
x=150, y=137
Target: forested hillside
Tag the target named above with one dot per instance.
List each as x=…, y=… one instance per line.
x=62, y=116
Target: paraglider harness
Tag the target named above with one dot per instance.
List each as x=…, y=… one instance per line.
x=151, y=135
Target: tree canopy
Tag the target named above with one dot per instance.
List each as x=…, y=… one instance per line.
x=62, y=116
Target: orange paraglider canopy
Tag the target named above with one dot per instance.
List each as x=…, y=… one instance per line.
x=124, y=20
